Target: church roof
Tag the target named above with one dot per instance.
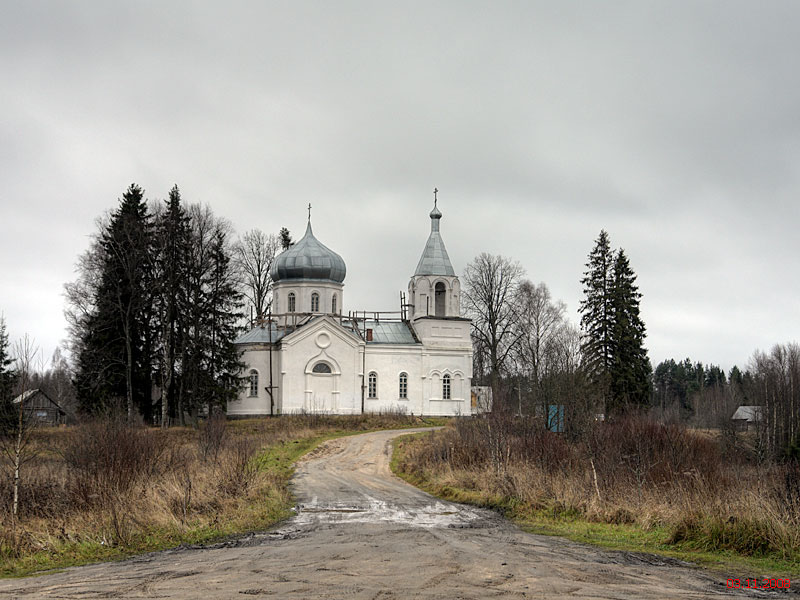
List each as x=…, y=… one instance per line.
x=434, y=260
x=268, y=333
x=309, y=259
x=390, y=332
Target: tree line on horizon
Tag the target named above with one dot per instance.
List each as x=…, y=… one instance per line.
x=525, y=345
x=165, y=287
x=534, y=359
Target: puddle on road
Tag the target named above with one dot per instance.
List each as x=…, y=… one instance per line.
x=372, y=510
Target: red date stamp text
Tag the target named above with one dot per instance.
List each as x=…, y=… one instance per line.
x=759, y=583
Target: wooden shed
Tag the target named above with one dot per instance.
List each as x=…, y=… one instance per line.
x=40, y=407
x=746, y=417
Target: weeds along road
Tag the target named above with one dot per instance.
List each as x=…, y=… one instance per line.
x=360, y=532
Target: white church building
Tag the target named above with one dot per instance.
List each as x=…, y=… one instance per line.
x=309, y=356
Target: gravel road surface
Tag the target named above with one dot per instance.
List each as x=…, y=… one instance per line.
x=360, y=532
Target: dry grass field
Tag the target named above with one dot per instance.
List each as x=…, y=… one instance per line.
x=104, y=490
x=665, y=485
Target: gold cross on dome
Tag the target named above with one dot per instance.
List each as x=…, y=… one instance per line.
x=435, y=191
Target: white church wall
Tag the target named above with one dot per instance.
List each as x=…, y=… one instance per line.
x=303, y=390
x=388, y=361
x=425, y=368
x=444, y=333
x=422, y=296
x=454, y=298
x=456, y=364
x=256, y=356
x=303, y=291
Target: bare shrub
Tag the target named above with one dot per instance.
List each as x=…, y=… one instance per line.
x=639, y=451
x=110, y=483
x=107, y=458
x=211, y=436
x=787, y=491
x=631, y=470
x=235, y=468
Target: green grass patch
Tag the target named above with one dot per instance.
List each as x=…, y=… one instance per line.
x=570, y=524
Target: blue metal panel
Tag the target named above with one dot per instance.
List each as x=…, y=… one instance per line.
x=555, y=418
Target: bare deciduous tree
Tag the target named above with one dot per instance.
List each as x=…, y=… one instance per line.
x=776, y=388
x=254, y=254
x=81, y=293
x=490, y=298
x=16, y=438
x=539, y=324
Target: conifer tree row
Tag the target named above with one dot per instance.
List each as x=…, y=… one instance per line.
x=8, y=379
x=613, y=332
x=153, y=314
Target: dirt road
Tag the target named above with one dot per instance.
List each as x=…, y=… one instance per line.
x=360, y=532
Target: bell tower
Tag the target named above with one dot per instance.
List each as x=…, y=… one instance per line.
x=434, y=290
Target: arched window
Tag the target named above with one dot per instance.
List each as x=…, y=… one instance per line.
x=440, y=295
x=315, y=302
x=321, y=367
x=253, y=383
x=403, y=385
x=372, y=388
x=291, y=302
x=446, y=387
x=333, y=304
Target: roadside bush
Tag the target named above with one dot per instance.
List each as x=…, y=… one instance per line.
x=212, y=435
x=642, y=452
x=106, y=484
x=106, y=459
x=235, y=471
x=633, y=470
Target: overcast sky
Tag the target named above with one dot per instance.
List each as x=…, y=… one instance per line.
x=675, y=126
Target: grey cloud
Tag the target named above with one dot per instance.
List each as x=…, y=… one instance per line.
x=672, y=125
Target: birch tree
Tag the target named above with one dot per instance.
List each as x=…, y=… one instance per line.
x=17, y=429
x=540, y=322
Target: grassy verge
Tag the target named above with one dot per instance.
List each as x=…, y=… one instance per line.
x=261, y=504
x=555, y=520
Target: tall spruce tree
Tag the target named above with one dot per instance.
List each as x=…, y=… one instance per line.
x=209, y=360
x=225, y=303
x=155, y=306
x=597, y=316
x=173, y=240
x=8, y=379
x=613, y=332
x=114, y=367
x=7, y=374
x=630, y=369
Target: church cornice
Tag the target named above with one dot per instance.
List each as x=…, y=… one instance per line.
x=435, y=318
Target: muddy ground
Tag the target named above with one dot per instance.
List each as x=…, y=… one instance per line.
x=360, y=532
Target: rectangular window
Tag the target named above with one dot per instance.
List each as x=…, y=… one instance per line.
x=403, y=385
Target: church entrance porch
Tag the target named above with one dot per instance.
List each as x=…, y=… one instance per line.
x=321, y=393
